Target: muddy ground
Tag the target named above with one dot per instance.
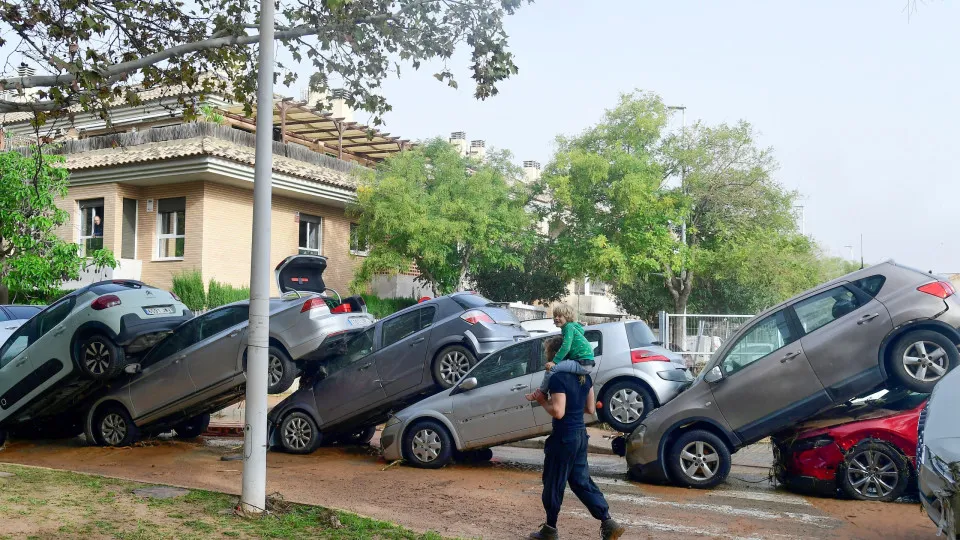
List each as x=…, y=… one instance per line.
x=493, y=500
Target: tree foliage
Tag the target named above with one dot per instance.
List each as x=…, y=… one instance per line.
x=92, y=53
x=539, y=279
x=32, y=258
x=446, y=214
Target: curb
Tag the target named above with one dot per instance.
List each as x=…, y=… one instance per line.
x=539, y=442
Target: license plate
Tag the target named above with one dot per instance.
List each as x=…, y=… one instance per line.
x=356, y=321
x=159, y=310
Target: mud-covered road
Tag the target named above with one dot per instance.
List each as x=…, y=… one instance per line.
x=493, y=500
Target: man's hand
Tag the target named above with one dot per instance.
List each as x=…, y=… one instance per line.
x=549, y=366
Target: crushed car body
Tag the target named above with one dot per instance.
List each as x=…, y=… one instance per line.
x=939, y=450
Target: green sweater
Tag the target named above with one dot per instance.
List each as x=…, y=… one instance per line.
x=575, y=346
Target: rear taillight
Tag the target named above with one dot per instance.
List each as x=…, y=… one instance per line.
x=342, y=308
x=105, y=301
x=312, y=303
x=475, y=316
x=940, y=289
x=175, y=297
x=640, y=355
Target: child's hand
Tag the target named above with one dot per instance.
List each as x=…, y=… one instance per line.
x=549, y=365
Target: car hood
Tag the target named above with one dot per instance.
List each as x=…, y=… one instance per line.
x=434, y=402
x=843, y=414
x=946, y=449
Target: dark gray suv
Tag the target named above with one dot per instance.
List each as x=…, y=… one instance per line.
x=887, y=325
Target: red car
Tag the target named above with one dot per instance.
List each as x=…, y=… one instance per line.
x=864, y=450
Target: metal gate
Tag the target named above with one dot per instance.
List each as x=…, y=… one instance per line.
x=698, y=336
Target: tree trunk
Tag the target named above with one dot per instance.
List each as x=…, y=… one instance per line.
x=4, y=294
x=680, y=287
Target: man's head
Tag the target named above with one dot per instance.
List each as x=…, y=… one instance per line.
x=551, y=346
x=562, y=314
x=96, y=220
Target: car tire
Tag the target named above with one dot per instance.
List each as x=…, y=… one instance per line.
x=482, y=455
x=451, y=364
x=874, y=471
x=921, y=358
x=99, y=358
x=299, y=433
x=704, y=454
x=113, y=426
x=193, y=428
x=625, y=404
x=281, y=371
x=427, y=444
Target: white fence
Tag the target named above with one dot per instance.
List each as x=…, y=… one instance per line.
x=697, y=336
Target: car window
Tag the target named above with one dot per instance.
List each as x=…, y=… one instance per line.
x=357, y=348
x=15, y=344
x=826, y=307
x=22, y=312
x=400, y=327
x=504, y=365
x=52, y=316
x=426, y=317
x=595, y=337
x=3, y=315
x=184, y=336
x=871, y=285
x=639, y=334
x=217, y=321
x=765, y=337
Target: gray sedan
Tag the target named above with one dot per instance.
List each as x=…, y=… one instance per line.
x=488, y=407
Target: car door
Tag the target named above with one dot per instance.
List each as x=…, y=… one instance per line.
x=543, y=419
x=352, y=384
x=15, y=366
x=767, y=380
x=213, y=358
x=843, y=328
x=496, y=409
x=403, y=349
x=165, y=377
x=49, y=348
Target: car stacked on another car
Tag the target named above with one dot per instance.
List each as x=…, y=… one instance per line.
x=401, y=359
x=70, y=349
x=887, y=325
x=13, y=316
x=200, y=367
x=488, y=407
x=939, y=451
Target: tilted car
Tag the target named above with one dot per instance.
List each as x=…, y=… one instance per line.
x=939, y=451
x=886, y=325
x=863, y=450
x=401, y=359
x=70, y=349
x=489, y=408
x=200, y=367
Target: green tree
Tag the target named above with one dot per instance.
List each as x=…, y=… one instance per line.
x=446, y=214
x=539, y=279
x=33, y=260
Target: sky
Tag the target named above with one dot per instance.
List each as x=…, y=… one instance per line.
x=859, y=101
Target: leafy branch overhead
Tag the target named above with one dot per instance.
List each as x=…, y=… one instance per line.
x=92, y=53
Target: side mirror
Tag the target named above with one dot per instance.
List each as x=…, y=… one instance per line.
x=468, y=384
x=132, y=369
x=713, y=375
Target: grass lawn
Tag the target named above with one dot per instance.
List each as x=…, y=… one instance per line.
x=39, y=503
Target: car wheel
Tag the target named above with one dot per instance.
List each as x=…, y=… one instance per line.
x=99, y=358
x=427, y=445
x=625, y=405
x=698, y=459
x=452, y=364
x=874, y=471
x=299, y=434
x=281, y=371
x=193, y=428
x=114, y=427
x=482, y=455
x=359, y=437
x=921, y=358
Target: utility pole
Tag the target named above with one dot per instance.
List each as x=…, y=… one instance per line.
x=253, y=499
x=683, y=189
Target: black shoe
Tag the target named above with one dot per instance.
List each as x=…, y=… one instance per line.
x=611, y=530
x=546, y=532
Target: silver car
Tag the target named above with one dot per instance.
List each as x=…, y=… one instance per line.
x=488, y=408
x=939, y=456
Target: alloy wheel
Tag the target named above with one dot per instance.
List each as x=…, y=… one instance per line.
x=700, y=461
x=626, y=405
x=873, y=474
x=453, y=366
x=925, y=361
x=297, y=433
x=426, y=445
x=113, y=428
x=96, y=357
x=275, y=370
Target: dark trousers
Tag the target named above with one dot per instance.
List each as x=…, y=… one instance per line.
x=566, y=461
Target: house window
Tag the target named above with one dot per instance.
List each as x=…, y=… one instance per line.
x=91, y=226
x=358, y=241
x=311, y=235
x=171, y=219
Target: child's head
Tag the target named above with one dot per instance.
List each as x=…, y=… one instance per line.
x=562, y=314
x=551, y=346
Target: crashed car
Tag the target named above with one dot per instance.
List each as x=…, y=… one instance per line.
x=884, y=326
x=939, y=450
x=401, y=359
x=70, y=349
x=864, y=450
x=200, y=367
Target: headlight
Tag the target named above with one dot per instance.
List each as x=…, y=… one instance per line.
x=943, y=469
x=392, y=421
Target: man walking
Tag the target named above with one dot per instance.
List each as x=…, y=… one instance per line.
x=565, y=460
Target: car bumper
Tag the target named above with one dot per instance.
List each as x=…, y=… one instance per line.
x=324, y=327
x=390, y=441
x=940, y=499
x=643, y=463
